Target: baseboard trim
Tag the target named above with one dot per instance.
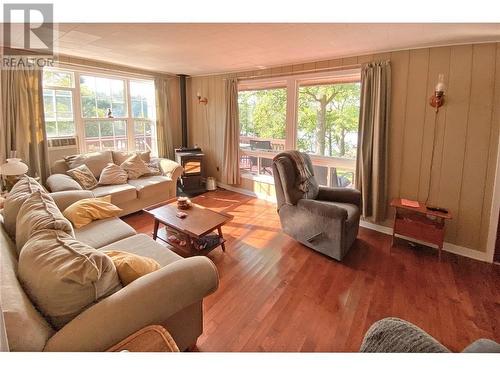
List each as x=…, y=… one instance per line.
x=448, y=247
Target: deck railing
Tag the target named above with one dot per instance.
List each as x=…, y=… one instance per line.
x=329, y=171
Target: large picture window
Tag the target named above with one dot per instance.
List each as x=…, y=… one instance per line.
x=104, y=112
x=263, y=128
x=314, y=114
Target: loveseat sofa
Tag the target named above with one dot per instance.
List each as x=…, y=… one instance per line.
x=130, y=197
x=171, y=296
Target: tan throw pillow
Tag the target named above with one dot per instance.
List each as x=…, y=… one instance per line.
x=119, y=156
x=87, y=210
x=83, y=176
x=113, y=175
x=131, y=266
x=63, y=276
x=135, y=167
x=14, y=200
x=95, y=161
x=39, y=212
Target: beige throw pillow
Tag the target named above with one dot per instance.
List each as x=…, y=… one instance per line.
x=84, y=176
x=14, y=200
x=63, y=276
x=95, y=161
x=135, y=167
x=119, y=156
x=113, y=175
x=39, y=212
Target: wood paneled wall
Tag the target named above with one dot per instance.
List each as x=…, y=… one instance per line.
x=467, y=133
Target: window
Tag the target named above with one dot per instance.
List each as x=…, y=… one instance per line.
x=327, y=126
x=105, y=112
x=262, y=128
x=58, y=103
x=102, y=97
x=314, y=114
x=142, y=97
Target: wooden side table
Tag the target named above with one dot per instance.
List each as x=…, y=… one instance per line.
x=149, y=339
x=419, y=223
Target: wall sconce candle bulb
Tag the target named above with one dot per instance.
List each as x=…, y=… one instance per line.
x=437, y=100
x=201, y=99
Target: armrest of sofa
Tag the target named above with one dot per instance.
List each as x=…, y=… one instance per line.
x=393, y=335
x=342, y=195
x=64, y=199
x=62, y=182
x=170, y=168
x=149, y=300
x=322, y=209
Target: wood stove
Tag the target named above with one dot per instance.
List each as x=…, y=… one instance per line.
x=191, y=160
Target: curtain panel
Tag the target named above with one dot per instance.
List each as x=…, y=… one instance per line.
x=373, y=138
x=23, y=122
x=232, y=134
x=163, y=123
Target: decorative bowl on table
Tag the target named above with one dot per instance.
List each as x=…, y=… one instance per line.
x=183, y=203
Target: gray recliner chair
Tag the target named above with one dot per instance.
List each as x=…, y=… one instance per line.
x=324, y=219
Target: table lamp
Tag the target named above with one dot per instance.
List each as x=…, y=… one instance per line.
x=11, y=171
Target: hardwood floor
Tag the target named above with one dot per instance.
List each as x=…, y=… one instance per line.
x=277, y=295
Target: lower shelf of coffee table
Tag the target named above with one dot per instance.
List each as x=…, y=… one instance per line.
x=188, y=249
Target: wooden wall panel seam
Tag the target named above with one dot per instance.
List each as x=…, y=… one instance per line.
x=425, y=109
x=457, y=215
x=404, y=125
x=444, y=134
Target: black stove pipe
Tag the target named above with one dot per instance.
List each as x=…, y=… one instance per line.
x=182, y=86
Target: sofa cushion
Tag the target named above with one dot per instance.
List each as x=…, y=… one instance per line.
x=26, y=328
x=63, y=276
x=96, y=161
x=39, y=212
x=113, y=175
x=100, y=233
x=85, y=211
x=145, y=246
x=62, y=182
x=14, y=200
x=119, y=193
x=131, y=266
x=83, y=175
x=151, y=186
x=135, y=167
x=119, y=156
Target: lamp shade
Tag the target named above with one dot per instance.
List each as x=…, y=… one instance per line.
x=13, y=167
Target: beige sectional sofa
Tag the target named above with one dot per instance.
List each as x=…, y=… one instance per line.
x=132, y=196
x=171, y=296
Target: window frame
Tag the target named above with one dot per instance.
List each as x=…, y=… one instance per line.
x=77, y=108
x=292, y=84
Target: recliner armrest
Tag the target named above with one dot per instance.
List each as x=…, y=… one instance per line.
x=342, y=195
x=151, y=299
x=323, y=209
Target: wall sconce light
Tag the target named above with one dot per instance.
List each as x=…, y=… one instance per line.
x=437, y=100
x=201, y=99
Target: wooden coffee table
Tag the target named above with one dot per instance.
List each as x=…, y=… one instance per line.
x=200, y=222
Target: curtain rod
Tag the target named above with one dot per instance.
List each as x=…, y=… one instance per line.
x=287, y=74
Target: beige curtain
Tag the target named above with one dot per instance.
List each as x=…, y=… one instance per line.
x=232, y=134
x=23, y=124
x=163, y=123
x=371, y=167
